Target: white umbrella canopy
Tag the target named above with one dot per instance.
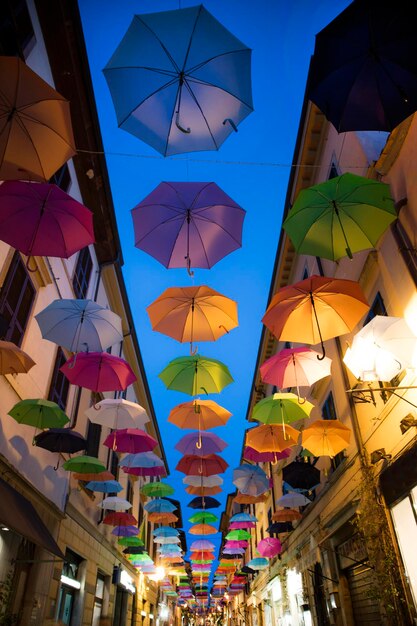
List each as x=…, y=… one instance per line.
x=203, y=481
x=292, y=500
x=113, y=503
x=165, y=540
x=80, y=325
x=382, y=349
x=118, y=414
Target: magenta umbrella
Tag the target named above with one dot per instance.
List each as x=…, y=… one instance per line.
x=188, y=224
x=250, y=454
x=236, y=544
x=269, y=547
x=295, y=367
x=132, y=440
x=158, y=470
x=98, y=371
x=40, y=219
x=200, y=443
x=241, y=525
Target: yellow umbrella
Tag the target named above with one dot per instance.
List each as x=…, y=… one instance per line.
x=13, y=360
x=272, y=437
x=326, y=437
x=199, y=414
x=190, y=314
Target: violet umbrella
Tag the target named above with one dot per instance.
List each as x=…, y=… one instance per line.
x=99, y=371
x=202, y=544
x=269, y=547
x=200, y=443
x=125, y=531
x=40, y=219
x=188, y=224
x=131, y=440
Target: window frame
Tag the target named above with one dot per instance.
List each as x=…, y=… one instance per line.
x=9, y=285
x=82, y=273
x=61, y=397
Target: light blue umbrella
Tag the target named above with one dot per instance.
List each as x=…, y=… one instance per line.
x=141, y=459
x=104, y=486
x=257, y=564
x=243, y=517
x=165, y=531
x=159, y=505
x=250, y=480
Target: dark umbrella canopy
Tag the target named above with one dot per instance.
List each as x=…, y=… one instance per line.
x=279, y=527
x=363, y=72
x=204, y=503
x=61, y=440
x=301, y=475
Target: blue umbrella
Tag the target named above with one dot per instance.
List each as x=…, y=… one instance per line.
x=104, y=486
x=165, y=531
x=243, y=517
x=159, y=505
x=141, y=459
x=250, y=480
x=257, y=564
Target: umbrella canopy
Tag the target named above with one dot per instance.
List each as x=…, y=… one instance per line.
x=250, y=454
x=39, y=413
x=104, y=486
x=36, y=135
x=117, y=413
x=99, y=371
x=258, y=564
x=340, y=216
x=204, y=465
x=301, y=475
x=134, y=550
x=201, y=414
x=188, y=224
x=293, y=499
x=238, y=535
x=315, y=309
x=132, y=440
x=125, y=531
x=326, y=437
x=203, y=481
x=202, y=544
x=85, y=465
x=13, y=360
x=80, y=325
x=286, y=515
x=40, y=219
x=203, y=491
x=382, y=349
x=61, y=440
x=202, y=529
x=203, y=517
x=100, y=476
x=200, y=443
x=193, y=374
x=204, y=502
x=130, y=541
x=241, y=525
x=119, y=518
x=269, y=547
x=190, y=314
x=272, y=437
x=187, y=67
x=157, y=490
x=281, y=408
x=295, y=367
x=166, y=540
x=140, y=459
x=244, y=498
x=162, y=518
x=243, y=517
x=363, y=74
x=165, y=531
x=250, y=480
x=159, y=505
x=113, y=503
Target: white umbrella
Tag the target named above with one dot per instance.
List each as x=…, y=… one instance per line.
x=113, y=503
x=164, y=540
x=80, y=325
x=203, y=481
x=291, y=500
x=381, y=349
x=118, y=414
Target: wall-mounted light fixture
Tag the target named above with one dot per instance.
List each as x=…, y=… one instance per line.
x=407, y=422
x=378, y=455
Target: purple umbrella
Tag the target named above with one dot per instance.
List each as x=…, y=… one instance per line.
x=250, y=454
x=125, y=531
x=200, y=443
x=188, y=224
x=202, y=544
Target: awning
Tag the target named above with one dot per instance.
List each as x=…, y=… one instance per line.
x=17, y=513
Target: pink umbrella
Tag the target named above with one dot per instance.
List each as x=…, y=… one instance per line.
x=241, y=525
x=200, y=443
x=98, y=371
x=236, y=544
x=40, y=219
x=130, y=440
x=145, y=471
x=295, y=367
x=269, y=547
x=250, y=454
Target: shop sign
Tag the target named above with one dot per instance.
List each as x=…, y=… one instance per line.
x=351, y=552
x=127, y=581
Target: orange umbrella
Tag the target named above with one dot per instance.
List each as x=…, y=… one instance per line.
x=13, y=360
x=101, y=476
x=272, y=437
x=200, y=414
x=203, y=491
x=35, y=132
x=326, y=437
x=286, y=515
x=315, y=309
x=190, y=314
x=243, y=498
x=203, y=529
x=162, y=518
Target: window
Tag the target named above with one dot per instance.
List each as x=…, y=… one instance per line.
x=377, y=308
x=93, y=439
x=114, y=464
x=333, y=171
x=62, y=178
x=16, y=300
x=406, y=248
x=82, y=273
x=16, y=31
x=58, y=390
x=129, y=492
x=329, y=413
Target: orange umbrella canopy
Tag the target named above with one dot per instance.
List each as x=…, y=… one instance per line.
x=203, y=529
x=13, y=360
x=190, y=314
x=272, y=437
x=36, y=134
x=162, y=518
x=100, y=476
x=326, y=437
x=200, y=414
x=286, y=515
x=315, y=309
x=243, y=498
x=203, y=491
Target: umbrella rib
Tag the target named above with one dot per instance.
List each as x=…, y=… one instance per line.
x=139, y=104
x=190, y=41
x=22, y=116
x=199, y=81
x=170, y=57
x=201, y=111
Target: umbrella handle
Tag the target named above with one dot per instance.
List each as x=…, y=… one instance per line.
x=186, y=131
x=323, y=349
x=320, y=357
x=29, y=269
x=193, y=352
x=72, y=364
x=57, y=465
x=231, y=122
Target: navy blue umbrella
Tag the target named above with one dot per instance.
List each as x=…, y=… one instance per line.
x=204, y=503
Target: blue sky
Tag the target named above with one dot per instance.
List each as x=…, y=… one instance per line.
x=252, y=166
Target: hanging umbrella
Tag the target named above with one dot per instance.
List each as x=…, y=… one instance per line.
x=157, y=490
x=80, y=325
x=200, y=414
x=119, y=518
x=204, y=465
x=60, y=440
x=99, y=371
x=40, y=219
x=114, y=503
x=203, y=491
x=39, y=413
x=382, y=349
x=202, y=544
x=272, y=437
x=130, y=541
x=85, y=465
x=340, y=216
x=250, y=480
x=301, y=475
x=238, y=535
x=167, y=540
x=291, y=500
x=295, y=367
x=159, y=505
x=100, y=476
x=258, y=563
x=200, y=443
x=363, y=74
x=244, y=498
x=134, y=550
x=281, y=408
x=286, y=515
x=104, y=486
x=162, y=518
x=243, y=517
x=326, y=437
x=202, y=555
x=202, y=529
x=203, y=503
x=203, y=481
x=203, y=517
x=315, y=309
x=165, y=531
x=117, y=413
x=131, y=440
x=192, y=374
x=236, y=544
x=13, y=360
x=125, y=531
x=35, y=134
x=250, y=454
x=269, y=547
x=141, y=461
x=180, y=81
x=241, y=525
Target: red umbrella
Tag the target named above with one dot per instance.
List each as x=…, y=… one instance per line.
x=39, y=219
x=269, y=547
x=250, y=454
x=208, y=465
x=98, y=371
x=131, y=440
x=120, y=519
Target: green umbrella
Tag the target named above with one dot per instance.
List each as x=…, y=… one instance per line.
x=157, y=490
x=343, y=215
x=39, y=413
x=193, y=374
x=238, y=535
x=203, y=517
x=130, y=541
x=84, y=465
x=281, y=408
